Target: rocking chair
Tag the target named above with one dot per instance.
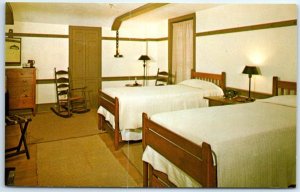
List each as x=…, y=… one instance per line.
x=67, y=101
x=162, y=78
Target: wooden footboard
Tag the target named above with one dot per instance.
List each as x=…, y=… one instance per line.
x=112, y=105
x=195, y=160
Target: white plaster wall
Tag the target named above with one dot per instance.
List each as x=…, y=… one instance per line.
x=239, y=15
x=49, y=53
x=162, y=57
x=39, y=28
x=273, y=50
x=133, y=28
x=128, y=64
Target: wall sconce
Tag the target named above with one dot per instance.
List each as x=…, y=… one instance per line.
x=144, y=58
x=10, y=33
x=117, y=55
x=250, y=70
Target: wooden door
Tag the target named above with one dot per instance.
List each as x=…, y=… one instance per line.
x=85, y=60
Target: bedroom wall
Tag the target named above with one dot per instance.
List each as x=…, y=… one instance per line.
x=49, y=53
x=273, y=50
x=129, y=65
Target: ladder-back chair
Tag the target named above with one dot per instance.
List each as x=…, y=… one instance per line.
x=67, y=101
x=162, y=78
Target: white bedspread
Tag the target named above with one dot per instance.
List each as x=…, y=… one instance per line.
x=255, y=143
x=133, y=101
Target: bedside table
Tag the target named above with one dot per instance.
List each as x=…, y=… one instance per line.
x=220, y=100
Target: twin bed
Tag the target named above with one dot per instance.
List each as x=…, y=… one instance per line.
x=121, y=108
x=244, y=145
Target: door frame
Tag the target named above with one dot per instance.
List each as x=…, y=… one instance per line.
x=191, y=16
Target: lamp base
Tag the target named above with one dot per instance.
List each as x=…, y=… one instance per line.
x=250, y=99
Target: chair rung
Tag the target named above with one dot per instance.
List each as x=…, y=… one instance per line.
x=62, y=80
x=64, y=92
x=61, y=72
x=76, y=98
x=63, y=85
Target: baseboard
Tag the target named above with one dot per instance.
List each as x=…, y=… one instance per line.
x=44, y=107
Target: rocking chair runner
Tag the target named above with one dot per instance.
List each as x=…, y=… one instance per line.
x=67, y=101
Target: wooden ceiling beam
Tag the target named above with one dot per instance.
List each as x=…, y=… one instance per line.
x=9, y=16
x=138, y=11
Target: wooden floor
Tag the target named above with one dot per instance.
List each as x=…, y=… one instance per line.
x=26, y=169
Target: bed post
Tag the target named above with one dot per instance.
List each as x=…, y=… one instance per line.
x=275, y=86
x=117, y=128
x=144, y=130
x=144, y=142
x=209, y=168
x=100, y=120
x=223, y=81
x=192, y=73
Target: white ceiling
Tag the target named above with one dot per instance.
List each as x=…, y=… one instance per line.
x=96, y=14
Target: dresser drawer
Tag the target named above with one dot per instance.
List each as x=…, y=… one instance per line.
x=21, y=102
x=20, y=82
x=25, y=91
x=20, y=73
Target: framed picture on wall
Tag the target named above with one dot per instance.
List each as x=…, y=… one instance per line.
x=12, y=51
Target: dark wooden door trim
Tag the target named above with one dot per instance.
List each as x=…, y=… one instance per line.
x=170, y=38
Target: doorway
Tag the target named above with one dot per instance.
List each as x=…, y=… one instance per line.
x=181, y=47
x=85, y=60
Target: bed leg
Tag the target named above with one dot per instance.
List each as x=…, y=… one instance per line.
x=145, y=174
x=116, y=140
x=150, y=175
x=101, y=123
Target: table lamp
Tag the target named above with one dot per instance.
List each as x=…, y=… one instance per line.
x=144, y=58
x=250, y=70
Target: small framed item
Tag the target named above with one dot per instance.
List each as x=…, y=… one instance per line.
x=12, y=51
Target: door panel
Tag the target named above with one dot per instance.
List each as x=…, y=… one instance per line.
x=78, y=66
x=92, y=67
x=92, y=85
x=85, y=60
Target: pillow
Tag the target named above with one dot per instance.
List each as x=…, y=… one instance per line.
x=287, y=100
x=197, y=83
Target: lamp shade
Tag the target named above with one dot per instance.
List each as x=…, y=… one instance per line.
x=144, y=58
x=251, y=70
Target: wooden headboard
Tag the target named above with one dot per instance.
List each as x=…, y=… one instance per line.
x=218, y=79
x=283, y=87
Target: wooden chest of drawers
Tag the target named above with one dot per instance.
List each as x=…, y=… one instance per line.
x=21, y=85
